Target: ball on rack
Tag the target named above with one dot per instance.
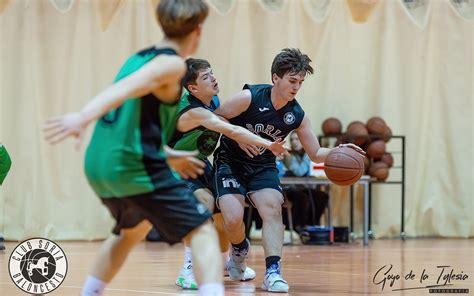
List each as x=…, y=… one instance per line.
x=332, y=127
x=376, y=125
x=379, y=170
x=376, y=149
x=344, y=166
x=357, y=133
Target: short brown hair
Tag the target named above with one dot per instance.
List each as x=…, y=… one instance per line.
x=291, y=60
x=178, y=18
x=193, y=66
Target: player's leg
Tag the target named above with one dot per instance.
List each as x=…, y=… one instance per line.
x=130, y=229
x=232, y=208
x=204, y=241
x=185, y=278
x=115, y=250
x=179, y=216
x=249, y=273
x=268, y=203
x=265, y=194
x=230, y=191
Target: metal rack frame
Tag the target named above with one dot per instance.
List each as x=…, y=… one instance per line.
x=375, y=182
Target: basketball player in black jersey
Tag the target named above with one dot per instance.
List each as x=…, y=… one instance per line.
x=272, y=112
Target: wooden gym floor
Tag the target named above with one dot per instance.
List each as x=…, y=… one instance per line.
x=342, y=269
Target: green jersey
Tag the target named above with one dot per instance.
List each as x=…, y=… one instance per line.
x=199, y=138
x=5, y=163
x=125, y=156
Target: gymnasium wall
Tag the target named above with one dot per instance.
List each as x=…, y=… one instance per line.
x=415, y=72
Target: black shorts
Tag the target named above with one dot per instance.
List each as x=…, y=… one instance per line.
x=232, y=176
x=174, y=212
x=204, y=181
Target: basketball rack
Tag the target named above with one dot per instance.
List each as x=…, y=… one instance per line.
x=326, y=141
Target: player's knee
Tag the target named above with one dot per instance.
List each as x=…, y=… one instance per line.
x=205, y=230
x=270, y=211
x=234, y=224
x=205, y=198
x=137, y=233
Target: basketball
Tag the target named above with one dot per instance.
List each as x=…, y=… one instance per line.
x=376, y=125
x=366, y=165
x=357, y=133
x=376, y=149
x=388, y=159
x=342, y=139
x=379, y=170
x=387, y=135
x=332, y=127
x=344, y=166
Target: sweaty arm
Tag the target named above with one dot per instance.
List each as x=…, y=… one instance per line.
x=160, y=72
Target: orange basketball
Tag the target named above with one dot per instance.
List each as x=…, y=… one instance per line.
x=387, y=135
x=331, y=127
x=388, y=159
x=379, y=170
x=344, y=166
x=357, y=133
x=376, y=125
x=376, y=149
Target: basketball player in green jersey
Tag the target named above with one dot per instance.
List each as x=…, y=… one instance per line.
x=126, y=163
x=199, y=129
x=5, y=164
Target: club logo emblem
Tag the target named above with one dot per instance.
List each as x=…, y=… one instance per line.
x=37, y=266
x=289, y=118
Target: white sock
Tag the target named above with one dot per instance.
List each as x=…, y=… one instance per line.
x=225, y=258
x=93, y=287
x=188, y=256
x=211, y=289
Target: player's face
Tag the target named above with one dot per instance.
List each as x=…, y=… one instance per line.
x=206, y=83
x=288, y=85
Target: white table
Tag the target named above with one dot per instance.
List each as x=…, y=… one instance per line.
x=311, y=181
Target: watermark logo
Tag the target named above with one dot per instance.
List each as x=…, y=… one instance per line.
x=37, y=266
x=441, y=279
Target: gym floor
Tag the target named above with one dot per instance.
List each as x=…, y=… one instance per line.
x=340, y=269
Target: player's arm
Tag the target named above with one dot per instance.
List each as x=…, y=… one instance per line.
x=202, y=117
x=311, y=144
x=161, y=71
x=235, y=105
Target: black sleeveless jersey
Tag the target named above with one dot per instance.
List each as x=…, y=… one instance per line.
x=262, y=119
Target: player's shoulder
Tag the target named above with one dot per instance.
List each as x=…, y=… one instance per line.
x=257, y=92
x=257, y=87
x=294, y=104
x=170, y=63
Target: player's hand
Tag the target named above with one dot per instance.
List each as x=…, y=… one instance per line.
x=61, y=127
x=278, y=149
x=353, y=146
x=250, y=150
x=184, y=162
